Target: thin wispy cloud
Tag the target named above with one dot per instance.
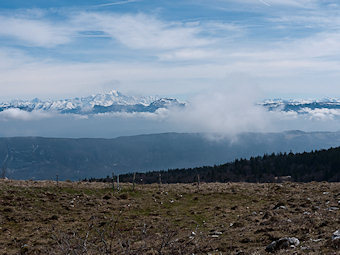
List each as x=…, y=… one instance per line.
x=117, y=3
x=265, y=3
x=143, y=31
x=290, y=3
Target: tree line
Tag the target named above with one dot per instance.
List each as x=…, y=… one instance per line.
x=322, y=165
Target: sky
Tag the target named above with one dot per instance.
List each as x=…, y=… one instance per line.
x=227, y=54
x=280, y=48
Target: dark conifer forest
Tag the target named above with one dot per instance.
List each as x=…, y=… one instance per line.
x=323, y=165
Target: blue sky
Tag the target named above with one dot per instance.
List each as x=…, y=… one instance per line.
x=276, y=48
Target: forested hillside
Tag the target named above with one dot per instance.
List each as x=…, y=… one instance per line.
x=44, y=158
x=323, y=165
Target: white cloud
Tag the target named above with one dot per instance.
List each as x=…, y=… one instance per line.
x=135, y=31
x=117, y=3
x=292, y=3
x=206, y=51
x=159, y=115
x=142, y=31
x=313, y=54
x=33, y=27
x=34, y=32
x=227, y=112
x=189, y=54
x=52, y=79
x=17, y=114
x=321, y=114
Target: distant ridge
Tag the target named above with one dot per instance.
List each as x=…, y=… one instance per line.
x=112, y=101
x=301, y=106
x=44, y=158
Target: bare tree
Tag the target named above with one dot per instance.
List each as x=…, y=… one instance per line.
x=118, y=187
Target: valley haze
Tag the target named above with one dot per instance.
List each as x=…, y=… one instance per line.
x=44, y=158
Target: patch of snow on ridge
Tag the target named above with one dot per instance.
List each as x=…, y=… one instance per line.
x=113, y=101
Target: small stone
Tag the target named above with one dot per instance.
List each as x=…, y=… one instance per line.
x=216, y=233
x=283, y=243
x=316, y=240
x=336, y=235
x=336, y=239
x=279, y=205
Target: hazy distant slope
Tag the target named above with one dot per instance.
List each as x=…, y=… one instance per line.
x=43, y=158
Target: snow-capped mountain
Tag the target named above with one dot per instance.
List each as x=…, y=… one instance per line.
x=115, y=101
x=301, y=106
x=112, y=101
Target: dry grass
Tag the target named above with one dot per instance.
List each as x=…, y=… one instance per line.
x=231, y=218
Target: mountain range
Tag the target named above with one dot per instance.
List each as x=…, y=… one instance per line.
x=301, y=106
x=44, y=158
x=112, y=101
x=115, y=101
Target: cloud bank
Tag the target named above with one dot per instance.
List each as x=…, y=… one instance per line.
x=17, y=114
x=220, y=114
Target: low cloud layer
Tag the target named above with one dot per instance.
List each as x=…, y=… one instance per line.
x=223, y=113
x=227, y=112
x=17, y=114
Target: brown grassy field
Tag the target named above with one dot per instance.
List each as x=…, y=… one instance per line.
x=232, y=218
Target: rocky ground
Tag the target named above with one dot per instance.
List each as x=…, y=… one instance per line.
x=232, y=218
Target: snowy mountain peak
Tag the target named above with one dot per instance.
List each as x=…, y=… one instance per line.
x=113, y=101
x=114, y=93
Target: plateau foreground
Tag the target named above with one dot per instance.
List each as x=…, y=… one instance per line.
x=89, y=218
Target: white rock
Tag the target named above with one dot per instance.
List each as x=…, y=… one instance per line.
x=336, y=235
x=283, y=243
